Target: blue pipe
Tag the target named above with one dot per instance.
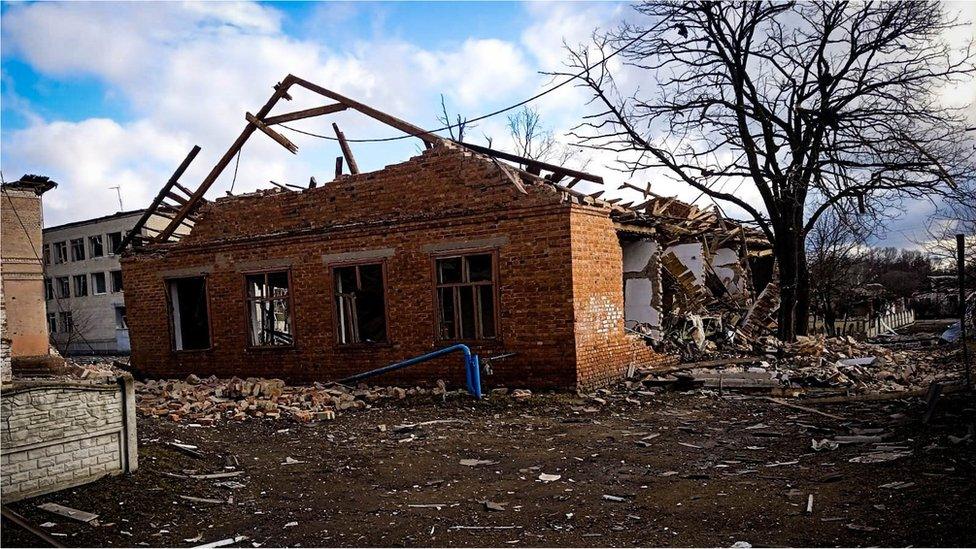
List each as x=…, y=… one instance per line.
x=472, y=367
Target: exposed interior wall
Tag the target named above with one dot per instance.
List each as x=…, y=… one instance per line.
x=727, y=266
x=60, y=434
x=691, y=256
x=642, y=286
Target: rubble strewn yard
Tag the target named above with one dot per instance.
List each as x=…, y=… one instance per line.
x=630, y=468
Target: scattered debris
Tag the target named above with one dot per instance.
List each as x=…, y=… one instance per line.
x=223, y=542
x=546, y=477
x=824, y=444
x=195, y=499
x=74, y=514
x=880, y=457
x=477, y=462
x=492, y=506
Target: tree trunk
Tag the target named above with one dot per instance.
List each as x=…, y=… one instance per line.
x=794, y=278
x=802, y=310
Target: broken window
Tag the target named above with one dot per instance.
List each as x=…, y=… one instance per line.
x=63, y=287
x=360, y=303
x=121, y=322
x=81, y=285
x=268, y=309
x=98, y=283
x=60, y=252
x=466, y=297
x=47, y=253
x=67, y=323
x=48, y=288
x=116, y=281
x=189, y=317
x=95, y=246
x=52, y=323
x=78, y=249
x=114, y=239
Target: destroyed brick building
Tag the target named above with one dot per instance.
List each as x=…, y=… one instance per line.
x=554, y=287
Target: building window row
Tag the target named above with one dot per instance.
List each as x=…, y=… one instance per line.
x=63, y=287
x=79, y=249
x=466, y=298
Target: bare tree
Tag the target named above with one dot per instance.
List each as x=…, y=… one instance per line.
x=455, y=125
x=817, y=106
x=73, y=332
x=533, y=139
x=835, y=250
x=956, y=216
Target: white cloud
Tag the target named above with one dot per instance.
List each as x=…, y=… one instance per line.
x=189, y=71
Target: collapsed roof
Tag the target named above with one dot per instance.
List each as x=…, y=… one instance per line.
x=665, y=219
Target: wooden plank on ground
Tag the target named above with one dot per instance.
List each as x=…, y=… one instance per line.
x=74, y=514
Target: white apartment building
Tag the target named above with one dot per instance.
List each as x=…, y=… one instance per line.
x=83, y=283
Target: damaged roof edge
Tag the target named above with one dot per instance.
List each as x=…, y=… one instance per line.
x=677, y=218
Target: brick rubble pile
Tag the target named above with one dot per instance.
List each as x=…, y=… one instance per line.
x=208, y=401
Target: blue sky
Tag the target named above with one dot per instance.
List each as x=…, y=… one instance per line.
x=103, y=94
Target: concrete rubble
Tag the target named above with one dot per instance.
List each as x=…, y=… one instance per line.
x=810, y=366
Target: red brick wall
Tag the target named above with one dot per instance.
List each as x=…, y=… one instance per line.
x=442, y=196
x=447, y=198
x=603, y=349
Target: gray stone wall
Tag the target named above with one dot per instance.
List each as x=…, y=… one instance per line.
x=56, y=435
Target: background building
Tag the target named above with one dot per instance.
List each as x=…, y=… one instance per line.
x=83, y=283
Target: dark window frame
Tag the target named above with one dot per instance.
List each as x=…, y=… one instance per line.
x=291, y=310
x=113, y=245
x=65, y=286
x=66, y=322
x=335, y=302
x=113, y=288
x=94, y=287
x=496, y=297
x=74, y=282
x=46, y=253
x=48, y=288
x=52, y=323
x=171, y=320
x=78, y=249
x=61, y=252
x=91, y=245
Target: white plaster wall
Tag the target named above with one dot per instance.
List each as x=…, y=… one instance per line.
x=691, y=256
x=638, y=292
x=723, y=263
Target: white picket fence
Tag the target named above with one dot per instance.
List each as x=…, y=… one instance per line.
x=864, y=326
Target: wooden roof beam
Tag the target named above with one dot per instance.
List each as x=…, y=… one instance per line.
x=381, y=116
x=307, y=113
x=534, y=164
x=346, y=151
x=282, y=140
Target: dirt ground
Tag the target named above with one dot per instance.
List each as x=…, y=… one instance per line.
x=722, y=470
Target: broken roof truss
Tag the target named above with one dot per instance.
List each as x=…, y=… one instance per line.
x=179, y=203
x=666, y=217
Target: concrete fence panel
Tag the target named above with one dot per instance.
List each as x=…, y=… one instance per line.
x=60, y=434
